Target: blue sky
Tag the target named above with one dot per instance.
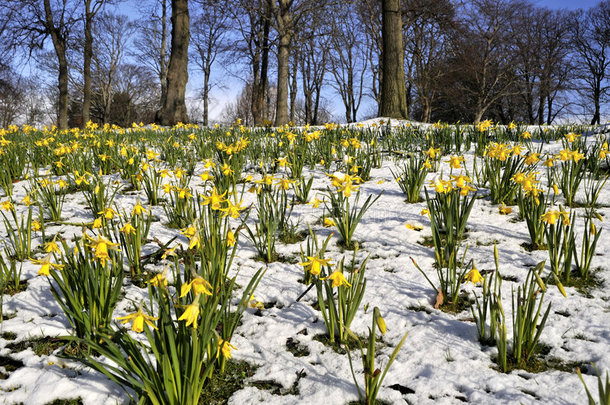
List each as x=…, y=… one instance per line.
x=568, y=4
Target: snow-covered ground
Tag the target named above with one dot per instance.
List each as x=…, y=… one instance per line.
x=441, y=361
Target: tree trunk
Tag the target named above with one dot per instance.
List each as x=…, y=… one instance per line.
x=541, y=102
x=59, y=43
x=87, y=55
x=174, y=108
x=281, y=107
x=260, y=64
x=283, y=59
x=62, y=118
x=393, y=91
x=293, y=89
x=596, y=102
x=478, y=115
x=316, y=105
x=206, y=95
x=162, y=54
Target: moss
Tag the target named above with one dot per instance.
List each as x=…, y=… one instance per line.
x=462, y=303
x=539, y=362
x=277, y=389
x=344, y=246
x=9, y=364
x=12, y=289
x=529, y=247
x=220, y=387
x=419, y=308
x=77, y=401
x=427, y=241
x=296, y=348
x=581, y=284
x=40, y=346
x=488, y=242
x=290, y=237
x=9, y=336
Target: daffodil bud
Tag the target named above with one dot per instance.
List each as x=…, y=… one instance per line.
x=559, y=285
x=540, y=282
x=379, y=320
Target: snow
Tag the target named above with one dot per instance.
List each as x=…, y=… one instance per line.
x=442, y=362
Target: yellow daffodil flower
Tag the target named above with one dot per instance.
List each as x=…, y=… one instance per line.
x=551, y=217
x=233, y=209
x=160, y=279
x=100, y=247
x=314, y=265
x=315, y=203
x=224, y=347
x=414, y=227
x=127, y=229
x=505, y=210
x=571, y=137
x=328, y=222
x=108, y=213
x=191, y=313
x=455, y=162
x=473, y=276
x=46, y=265
x=214, y=200
x=284, y=183
x=337, y=278
x=199, y=286
x=7, y=205
x=189, y=232
x=138, y=209
x=97, y=223
x=138, y=318
x=52, y=247
x=231, y=238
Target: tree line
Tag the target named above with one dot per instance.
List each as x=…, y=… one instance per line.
x=426, y=60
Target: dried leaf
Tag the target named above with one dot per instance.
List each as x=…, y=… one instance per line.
x=440, y=298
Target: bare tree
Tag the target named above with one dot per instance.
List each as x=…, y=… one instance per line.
x=174, y=108
x=151, y=45
x=287, y=14
x=393, y=91
x=113, y=33
x=33, y=23
x=482, y=50
x=92, y=7
x=252, y=21
x=209, y=28
x=591, y=39
x=348, y=61
x=12, y=96
x=427, y=24
x=136, y=95
x=370, y=18
x=313, y=56
x=541, y=57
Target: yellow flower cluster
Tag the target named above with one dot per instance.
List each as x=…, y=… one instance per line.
x=528, y=183
x=502, y=151
x=551, y=217
x=233, y=148
x=345, y=183
x=484, y=126
x=460, y=182
x=570, y=155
